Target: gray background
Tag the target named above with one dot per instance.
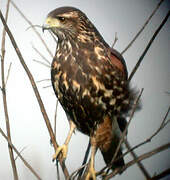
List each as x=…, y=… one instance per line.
x=27, y=125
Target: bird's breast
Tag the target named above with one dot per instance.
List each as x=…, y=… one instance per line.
x=87, y=87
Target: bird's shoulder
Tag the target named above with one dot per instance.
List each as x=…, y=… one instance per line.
x=118, y=61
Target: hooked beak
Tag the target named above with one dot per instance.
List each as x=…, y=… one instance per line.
x=47, y=24
x=50, y=23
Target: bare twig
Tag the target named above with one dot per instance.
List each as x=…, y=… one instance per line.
x=123, y=135
x=58, y=171
x=39, y=53
x=34, y=29
x=42, y=63
x=163, y=124
x=75, y=173
x=168, y=121
x=143, y=27
x=54, y=38
x=55, y=118
x=139, y=163
x=148, y=46
x=47, y=86
x=41, y=105
x=9, y=69
x=20, y=152
x=19, y=155
x=33, y=26
x=14, y=168
x=115, y=40
x=125, y=131
x=43, y=80
x=84, y=161
x=140, y=158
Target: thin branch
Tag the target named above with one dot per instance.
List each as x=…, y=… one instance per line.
x=34, y=29
x=55, y=125
x=125, y=131
x=14, y=168
x=54, y=38
x=85, y=160
x=115, y=40
x=32, y=81
x=20, y=152
x=55, y=118
x=168, y=121
x=40, y=54
x=19, y=155
x=58, y=172
x=148, y=46
x=140, y=158
x=75, y=173
x=143, y=27
x=144, y=171
x=139, y=163
x=43, y=80
x=42, y=63
x=163, y=123
x=47, y=86
x=123, y=135
x=9, y=69
x=34, y=26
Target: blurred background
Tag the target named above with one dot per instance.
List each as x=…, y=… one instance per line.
x=28, y=129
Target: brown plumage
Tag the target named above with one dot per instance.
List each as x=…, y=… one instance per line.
x=90, y=80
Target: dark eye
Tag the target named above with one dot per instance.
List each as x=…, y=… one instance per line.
x=61, y=18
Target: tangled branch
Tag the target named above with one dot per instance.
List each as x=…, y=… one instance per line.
x=41, y=105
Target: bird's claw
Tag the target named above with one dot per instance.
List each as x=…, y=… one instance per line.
x=61, y=149
x=91, y=175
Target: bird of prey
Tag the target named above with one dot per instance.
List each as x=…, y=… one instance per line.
x=90, y=81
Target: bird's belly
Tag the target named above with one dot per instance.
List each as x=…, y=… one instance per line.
x=82, y=110
x=85, y=108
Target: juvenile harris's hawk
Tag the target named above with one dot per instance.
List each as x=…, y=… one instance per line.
x=90, y=81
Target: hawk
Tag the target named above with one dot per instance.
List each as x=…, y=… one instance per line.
x=90, y=81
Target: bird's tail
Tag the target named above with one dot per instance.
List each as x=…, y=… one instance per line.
x=109, y=154
x=110, y=145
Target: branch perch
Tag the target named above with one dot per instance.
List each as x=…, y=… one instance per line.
x=140, y=158
x=34, y=29
x=143, y=27
x=41, y=105
x=148, y=46
x=125, y=131
x=11, y=154
x=19, y=155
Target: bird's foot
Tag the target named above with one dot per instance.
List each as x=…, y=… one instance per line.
x=61, y=150
x=91, y=175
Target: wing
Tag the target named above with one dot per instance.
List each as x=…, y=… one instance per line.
x=118, y=60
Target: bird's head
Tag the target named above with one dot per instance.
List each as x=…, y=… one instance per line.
x=69, y=21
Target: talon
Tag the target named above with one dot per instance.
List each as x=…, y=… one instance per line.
x=91, y=175
x=61, y=149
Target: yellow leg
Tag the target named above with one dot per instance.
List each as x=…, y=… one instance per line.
x=91, y=175
x=64, y=148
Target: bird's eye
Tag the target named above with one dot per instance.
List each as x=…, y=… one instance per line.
x=62, y=19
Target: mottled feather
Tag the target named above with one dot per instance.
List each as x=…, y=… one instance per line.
x=89, y=79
